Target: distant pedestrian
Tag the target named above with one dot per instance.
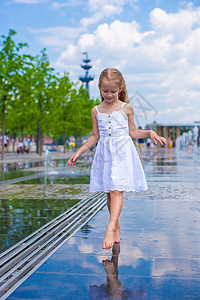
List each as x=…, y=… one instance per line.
x=67, y=143
x=27, y=142
x=170, y=143
x=148, y=142
x=116, y=166
x=5, y=141
x=20, y=147
x=140, y=144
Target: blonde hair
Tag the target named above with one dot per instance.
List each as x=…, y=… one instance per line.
x=114, y=75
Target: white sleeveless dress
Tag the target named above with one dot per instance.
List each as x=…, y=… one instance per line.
x=116, y=164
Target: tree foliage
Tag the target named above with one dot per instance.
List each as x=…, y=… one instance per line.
x=35, y=100
x=12, y=66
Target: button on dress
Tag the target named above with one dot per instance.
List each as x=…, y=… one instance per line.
x=116, y=164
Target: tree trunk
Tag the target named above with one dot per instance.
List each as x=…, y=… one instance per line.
x=37, y=143
x=22, y=134
x=64, y=133
x=2, y=172
x=75, y=135
x=41, y=144
x=80, y=138
x=13, y=144
x=64, y=138
x=39, y=139
x=3, y=125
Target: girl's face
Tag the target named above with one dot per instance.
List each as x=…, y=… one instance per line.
x=109, y=91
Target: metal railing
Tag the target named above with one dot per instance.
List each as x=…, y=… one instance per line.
x=19, y=261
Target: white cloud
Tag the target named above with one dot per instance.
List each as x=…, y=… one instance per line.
x=112, y=39
x=58, y=37
x=163, y=63
x=85, y=22
x=100, y=9
x=112, y=5
x=186, y=114
x=181, y=22
x=30, y=1
x=58, y=5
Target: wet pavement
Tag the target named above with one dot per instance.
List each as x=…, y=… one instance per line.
x=29, y=202
x=11, y=157
x=17, y=166
x=159, y=253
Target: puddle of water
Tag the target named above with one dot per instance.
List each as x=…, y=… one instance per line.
x=21, y=217
x=21, y=169
x=29, y=204
x=15, y=174
x=73, y=179
x=16, y=170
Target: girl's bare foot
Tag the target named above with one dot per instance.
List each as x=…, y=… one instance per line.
x=109, y=238
x=109, y=267
x=117, y=234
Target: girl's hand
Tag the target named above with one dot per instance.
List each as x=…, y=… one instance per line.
x=155, y=138
x=73, y=159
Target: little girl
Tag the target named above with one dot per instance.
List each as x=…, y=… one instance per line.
x=116, y=165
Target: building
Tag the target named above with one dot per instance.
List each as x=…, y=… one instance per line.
x=174, y=130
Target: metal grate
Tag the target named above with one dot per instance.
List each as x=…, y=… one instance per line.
x=19, y=261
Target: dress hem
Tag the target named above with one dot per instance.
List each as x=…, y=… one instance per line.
x=120, y=190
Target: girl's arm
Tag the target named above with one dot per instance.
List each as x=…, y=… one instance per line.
x=92, y=140
x=136, y=133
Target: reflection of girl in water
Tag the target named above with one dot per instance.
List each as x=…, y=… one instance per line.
x=113, y=288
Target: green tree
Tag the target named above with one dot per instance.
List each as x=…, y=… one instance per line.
x=11, y=70
x=80, y=112
x=35, y=100
x=18, y=114
x=60, y=107
x=42, y=86
x=71, y=110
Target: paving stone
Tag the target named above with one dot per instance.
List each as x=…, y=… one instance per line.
x=159, y=253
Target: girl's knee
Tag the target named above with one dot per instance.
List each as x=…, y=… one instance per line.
x=116, y=193
x=108, y=196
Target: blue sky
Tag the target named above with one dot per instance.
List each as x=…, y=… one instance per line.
x=154, y=43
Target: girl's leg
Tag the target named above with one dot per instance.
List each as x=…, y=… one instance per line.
x=140, y=149
x=117, y=233
x=115, y=210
